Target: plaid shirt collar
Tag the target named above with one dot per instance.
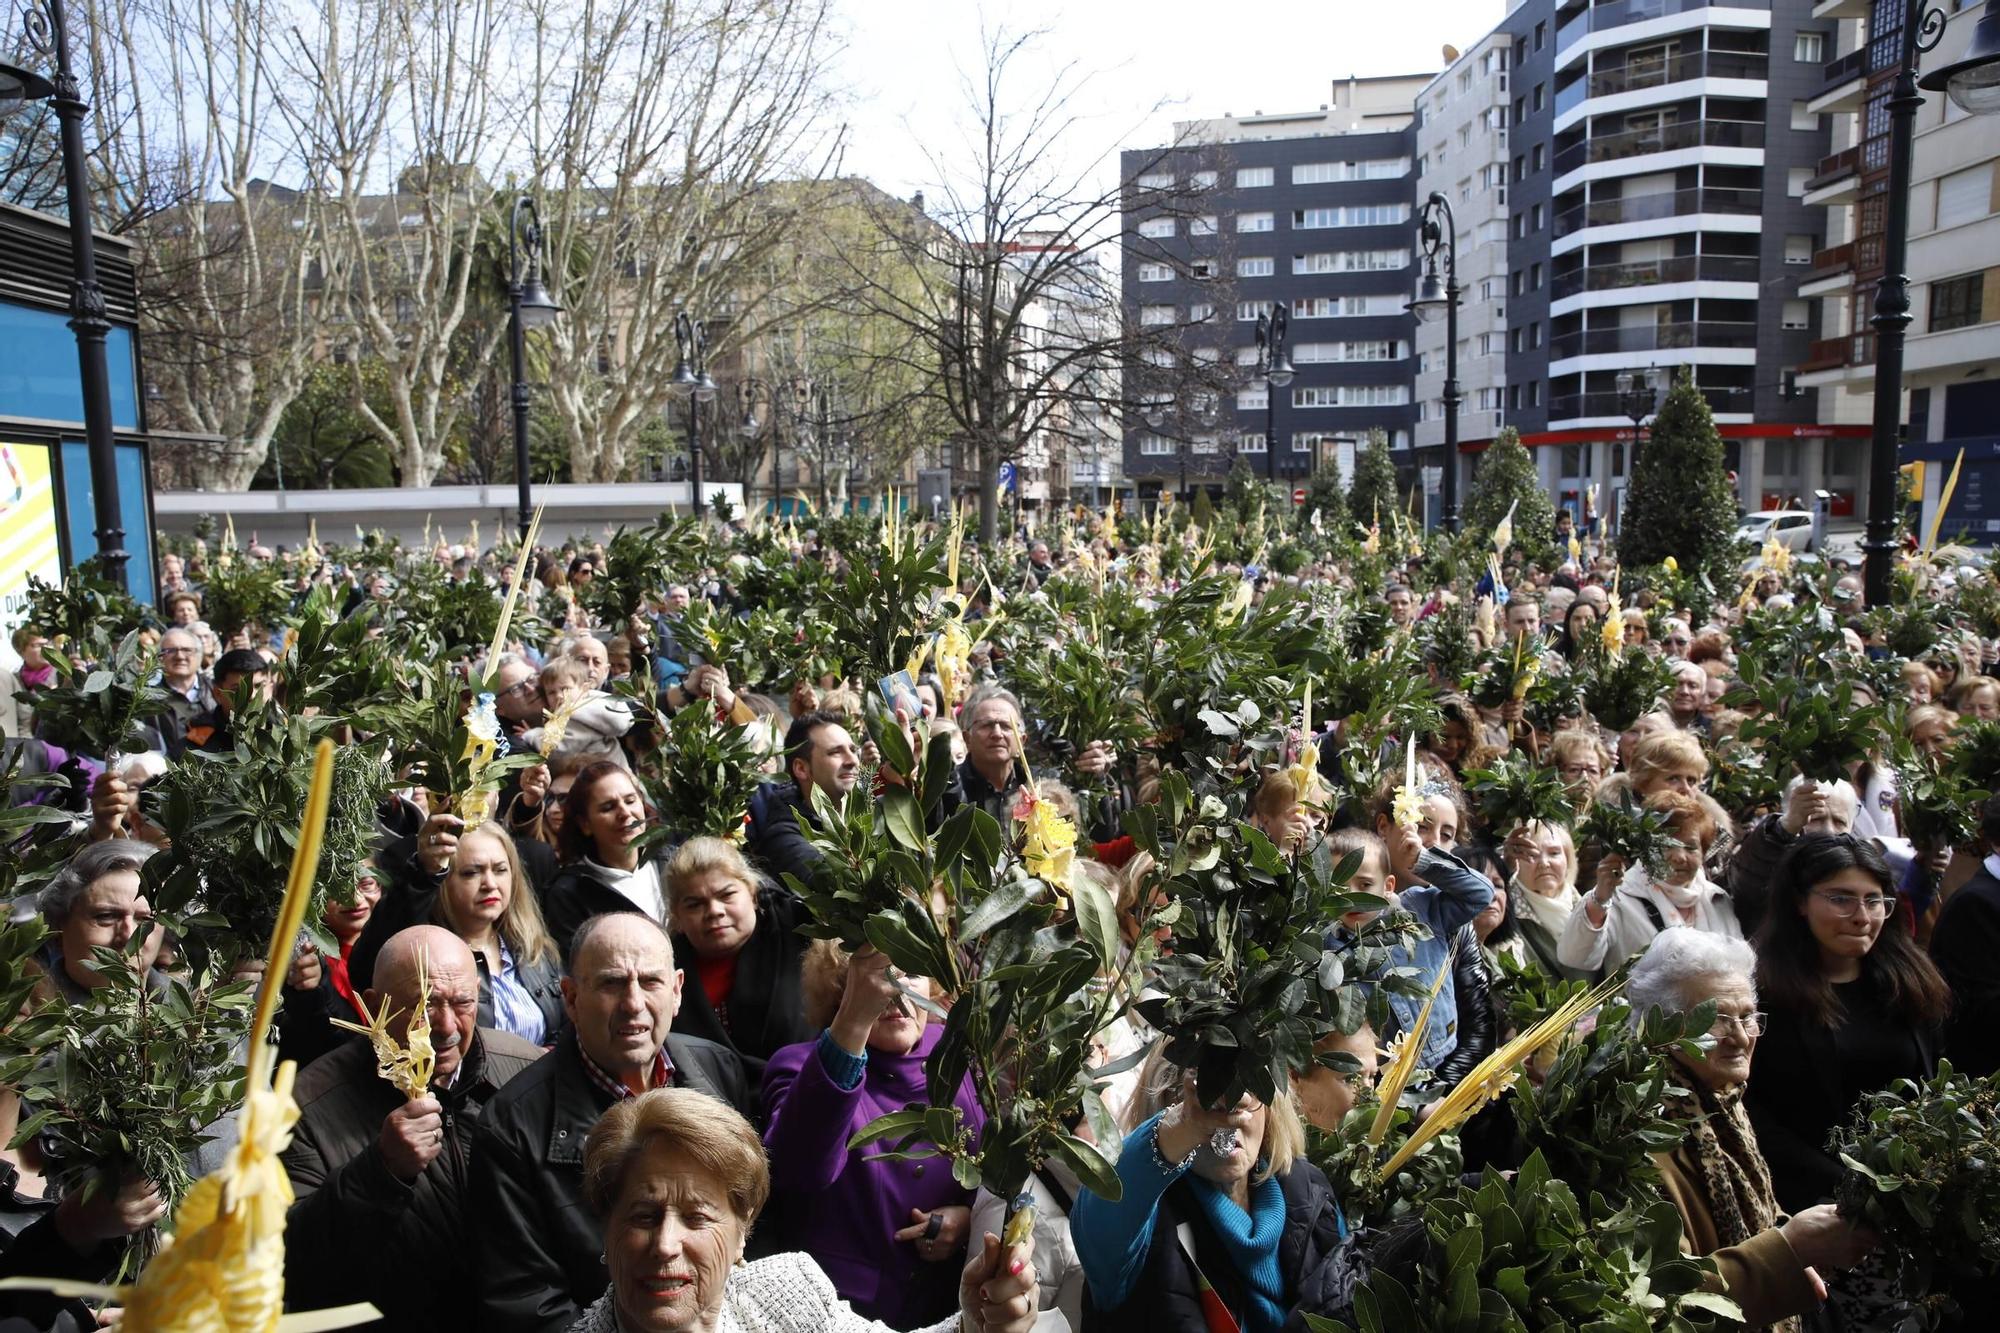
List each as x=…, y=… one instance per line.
x=663, y=1074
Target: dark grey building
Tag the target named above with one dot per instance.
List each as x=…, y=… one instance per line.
x=1656, y=220
x=1312, y=210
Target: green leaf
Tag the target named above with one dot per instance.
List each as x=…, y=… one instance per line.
x=1099, y=1176
x=897, y=1125
x=1096, y=917
x=1007, y=898
x=905, y=820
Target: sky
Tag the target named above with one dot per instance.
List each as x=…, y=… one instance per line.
x=904, y=61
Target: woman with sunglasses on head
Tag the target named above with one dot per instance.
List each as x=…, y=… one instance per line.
x=1852, y=1005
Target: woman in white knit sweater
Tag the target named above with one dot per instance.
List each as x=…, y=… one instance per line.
x=1630, y=905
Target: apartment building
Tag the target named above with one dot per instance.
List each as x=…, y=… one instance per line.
x=1661, y=155
x=1463, y=154
x=1312, y=210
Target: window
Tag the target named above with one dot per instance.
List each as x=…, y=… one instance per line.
x=1514, y=397
x=1204, y=444
x=1251, y=178
x=1352, y=395
x=1338, y=307
x=1798, y=249
x=1535, y=394
x=1520, y=282
x=1157, y=180
x=1540, y=98
x=1247, y=312
x=1259, y=266
x=1157, y=229
x=1536, y=225
x=1795, y=181
x=1955, y=302
x=1534, y=277
x=1250, y=442
x=1205, y=356
x=1809, y=48
x=1200, y=312
x=1322, y=173
x=1540, y=157
x=1252, y=400
x=1535, y=334
x=1354, y=215
x=1541, y=34
x=1965, y=195
x=1155, y=446
x=1797, y=314
x=1518, y=339
x=1157, y=356
x=1202, y=226
x=1351, y=261
x=1256, y=222
x=1247, y=356
x=1156, y=273
x=1370, y=349
x=1202, y=180
x=1156, y=314
x=1201, y=270
x=1803, y=119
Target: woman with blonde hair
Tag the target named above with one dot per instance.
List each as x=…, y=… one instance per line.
x=1630, y=905
x=486, y=901
x=1220, y=1206
x=737, y=941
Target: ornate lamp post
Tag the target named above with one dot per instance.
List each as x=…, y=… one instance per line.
x=529, y=306
x=1275, y=368
x=46, y=30
x=691, y=377
x=1436, y=234
x=794, y=399
x=1973, y=82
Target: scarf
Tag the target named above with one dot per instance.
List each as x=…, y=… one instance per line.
x=1251, y=1240
x=1551, y=914
x=1734, y=1178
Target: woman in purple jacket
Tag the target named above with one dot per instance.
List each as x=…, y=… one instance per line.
x=890, y=1233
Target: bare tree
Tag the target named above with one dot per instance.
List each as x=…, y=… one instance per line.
x=1016, y=317
x=668, y=143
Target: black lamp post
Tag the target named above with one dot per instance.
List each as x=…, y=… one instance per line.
x=1437, y=233
x=1973, y=82
x=529, y=306
x=46, y=30
x=775, y=396
x=1275, y=368
x=691, y=377
x=1638, y=398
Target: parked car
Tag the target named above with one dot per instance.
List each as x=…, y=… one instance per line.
x=1792, y=527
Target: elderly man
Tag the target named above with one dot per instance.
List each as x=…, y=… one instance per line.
x=546, y=1251
x=380, y=1180
x=188, y=694
x=1810, y=807
x=1687, y=702
x=819, y=754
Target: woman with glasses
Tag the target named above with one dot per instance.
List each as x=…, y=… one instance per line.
x=1853, y=1005
x=1715, y=1177
x=1541, y=894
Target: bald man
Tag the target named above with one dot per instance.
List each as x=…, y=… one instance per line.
x=379, y=1180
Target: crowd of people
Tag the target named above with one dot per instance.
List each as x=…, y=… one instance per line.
x=647, y=1073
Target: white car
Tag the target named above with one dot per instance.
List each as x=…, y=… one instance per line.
x=1792, y=527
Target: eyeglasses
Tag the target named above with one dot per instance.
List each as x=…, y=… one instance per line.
x=1748, y=1024
x=522, y=688
x=1847, y=904
x=179, y=652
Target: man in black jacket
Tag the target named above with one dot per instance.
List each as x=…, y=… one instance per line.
x=380, y=1180
x=819, y=752
x=621, y=994
x=1964, y=944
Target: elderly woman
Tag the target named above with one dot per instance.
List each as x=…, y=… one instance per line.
x=738, y=943
x=1630, y=904
x=679, y=1180
x=1541, y=892
x=1257, y=1217
x=1582, y=761
x=1716, y=1178
x=888, y=1232
x=96, y=903
x=486, y=901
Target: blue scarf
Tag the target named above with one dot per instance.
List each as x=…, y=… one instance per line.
x=1252, y=1242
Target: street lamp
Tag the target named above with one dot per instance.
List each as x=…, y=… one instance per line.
x=1276, y=370
x=529, y=306
x=1974, y=83
x=1638, y=398
x=1437, y=233
x=691, y=377
x=46, y=30
x=800, y=395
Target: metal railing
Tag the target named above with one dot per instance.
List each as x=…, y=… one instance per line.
x=1653, y=338
x=1617, y=14
x=1636, y=76
x=1660, y=139
x=1853, y=349
x=1653, y=207
x=1653, y=272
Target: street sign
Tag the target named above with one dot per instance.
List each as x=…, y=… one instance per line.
x=1299, y=495
x=1006, y=476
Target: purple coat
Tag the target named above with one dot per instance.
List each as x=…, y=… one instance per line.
x=844, y=1208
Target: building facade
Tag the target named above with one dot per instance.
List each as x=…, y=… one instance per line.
x=1463, y=154
x=1312, y=210
x=1662, y=152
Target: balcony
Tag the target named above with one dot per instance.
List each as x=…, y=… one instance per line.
x=1599, y=18
x=1833, y=261
x=1837, y=180
x=1661, y=139
x=1637, y=76
x=1854, y=349
x=1653, y=272
x=1653, y=207
x=1840, y=9
x=1608, y=403
x=1652, y=338
x=1842, y=85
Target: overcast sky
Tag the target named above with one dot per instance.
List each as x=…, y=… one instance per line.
x=904, y=62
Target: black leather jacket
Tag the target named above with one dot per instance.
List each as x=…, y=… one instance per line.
x=1474, y=990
